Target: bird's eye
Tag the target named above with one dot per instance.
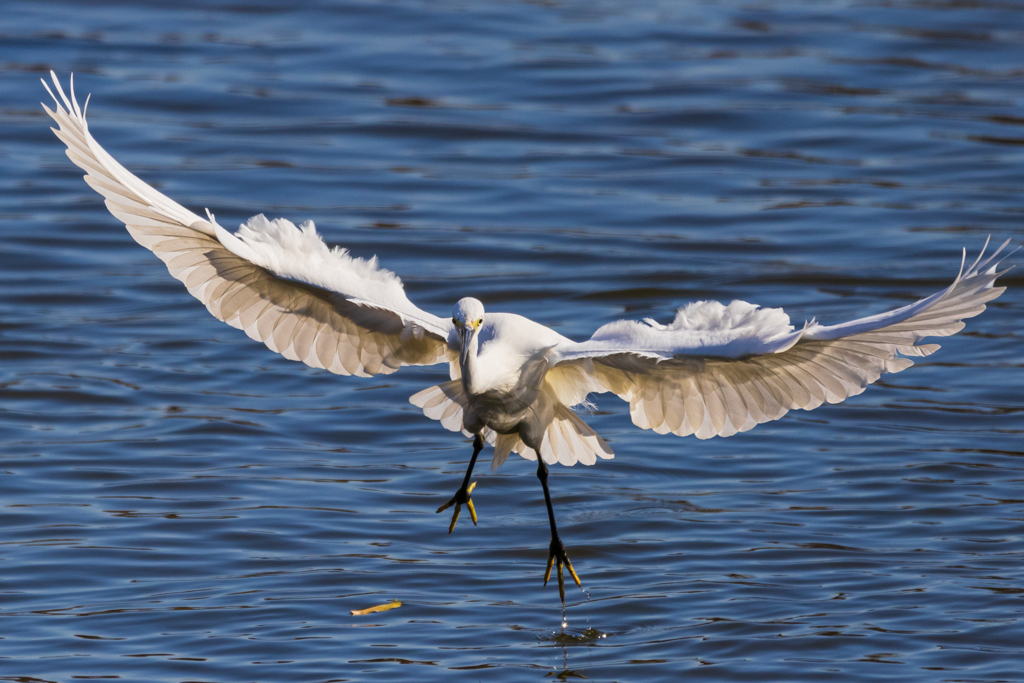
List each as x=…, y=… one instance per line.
x=455, y=321
x=479, y=322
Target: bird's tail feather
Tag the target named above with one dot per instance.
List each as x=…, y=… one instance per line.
x=568, y=440
x=446, y=403
x=443, y=402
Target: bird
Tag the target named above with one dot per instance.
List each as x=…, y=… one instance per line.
x=714, y=370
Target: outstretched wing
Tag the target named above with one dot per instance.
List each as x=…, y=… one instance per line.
x=278, y=282
x=717, y=370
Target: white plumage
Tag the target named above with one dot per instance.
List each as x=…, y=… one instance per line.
x=715, y=370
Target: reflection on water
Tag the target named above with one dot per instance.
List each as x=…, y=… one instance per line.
x=181, y=504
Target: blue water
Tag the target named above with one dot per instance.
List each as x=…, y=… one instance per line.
x=177, y=503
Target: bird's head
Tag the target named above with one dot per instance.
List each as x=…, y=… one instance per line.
x=468, y=316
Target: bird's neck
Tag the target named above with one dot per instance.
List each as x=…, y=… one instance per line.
x=471, y=367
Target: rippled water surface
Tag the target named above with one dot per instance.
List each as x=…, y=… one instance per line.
x=179, y=503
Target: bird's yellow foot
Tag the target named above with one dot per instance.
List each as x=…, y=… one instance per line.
x=461, y=497
x=556, y=553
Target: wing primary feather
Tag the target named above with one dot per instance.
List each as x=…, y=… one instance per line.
x=720, y=391
x=289, y=316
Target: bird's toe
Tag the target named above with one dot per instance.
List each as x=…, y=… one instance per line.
x=461, y=497
x=557, y=557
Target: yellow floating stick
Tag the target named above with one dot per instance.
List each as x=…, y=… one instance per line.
x=378, y=608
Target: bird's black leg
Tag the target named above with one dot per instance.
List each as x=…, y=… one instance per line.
x=462, y=495
x=556, y=552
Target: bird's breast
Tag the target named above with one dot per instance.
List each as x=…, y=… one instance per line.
x=487, y=374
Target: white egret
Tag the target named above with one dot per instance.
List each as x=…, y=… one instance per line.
x=714, y=370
